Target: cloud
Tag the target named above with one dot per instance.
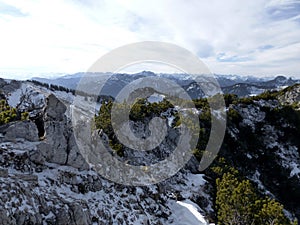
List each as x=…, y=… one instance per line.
x=6, y=9
x=241, y=31
x=252, y=37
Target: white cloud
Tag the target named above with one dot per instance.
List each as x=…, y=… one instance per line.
x=253, y=37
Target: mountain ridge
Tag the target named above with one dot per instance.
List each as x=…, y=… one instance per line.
x=242, y=86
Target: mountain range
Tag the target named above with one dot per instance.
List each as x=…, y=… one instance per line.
x=230, y=84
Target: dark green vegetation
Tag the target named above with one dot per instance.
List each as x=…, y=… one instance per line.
x=53, y=87
x=237, y=199
x=238, y=202
x=142, y=110
x=9, y=114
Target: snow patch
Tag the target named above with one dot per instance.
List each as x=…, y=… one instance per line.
x=14, y=98
x=155, y=98
x=187, y=213
x=295, y=169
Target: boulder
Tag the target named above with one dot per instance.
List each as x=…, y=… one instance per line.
x=21, y=129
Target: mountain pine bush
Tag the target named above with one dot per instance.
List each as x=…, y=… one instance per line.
x=237, y=203
x=9, y=114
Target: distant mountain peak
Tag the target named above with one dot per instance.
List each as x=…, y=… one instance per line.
x=280, y=78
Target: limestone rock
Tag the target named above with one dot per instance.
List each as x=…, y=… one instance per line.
x=55, y=135
x=37, y=157
x=55, y=109
x=3, y=173
x=63, y=217
x=80, y=217
x=51, y=154
x=291, y=96
x=5, y=220
x=59, y=145
x=75, y=159
x=21, y=129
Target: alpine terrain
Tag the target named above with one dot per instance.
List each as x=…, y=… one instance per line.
x=45, y=179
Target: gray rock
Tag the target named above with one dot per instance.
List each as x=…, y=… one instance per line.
x=55, y=109
x=59, y=145
x=80, y=217
x=3, y=173
x=58, y=155
x=63, y=217
x=27, y=177
x=21, y=129
x=291, y=96
x=37, y=157
x=55, y=136
x=54, y=145
x=8, y=87
x=20, y=218
x=5, y=220
x=75, y=159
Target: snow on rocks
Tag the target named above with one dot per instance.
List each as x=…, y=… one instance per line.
x=251, y=114
x=155, y=98
x=28, y=98
x=186, y=213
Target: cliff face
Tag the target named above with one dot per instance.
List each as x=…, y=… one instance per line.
x=45, y=180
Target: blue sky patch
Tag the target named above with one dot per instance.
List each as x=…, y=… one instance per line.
x=223, y=58
x=265, y=47
x=286, y=11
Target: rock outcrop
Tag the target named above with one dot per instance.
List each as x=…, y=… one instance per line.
x=291, y=96
x=26, y=130
x=58, y=145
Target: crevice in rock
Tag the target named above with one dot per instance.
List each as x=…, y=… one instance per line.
x=39, y=122
x=68, y=150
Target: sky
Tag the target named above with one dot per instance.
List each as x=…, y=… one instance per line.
x=258, y=37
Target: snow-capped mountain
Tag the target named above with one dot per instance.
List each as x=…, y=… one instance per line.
x=232, y=84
